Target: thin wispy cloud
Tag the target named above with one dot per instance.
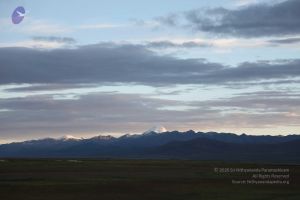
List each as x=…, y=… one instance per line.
x=101, y=26
x=285, y=41
x=42, y=27
x=65, y=40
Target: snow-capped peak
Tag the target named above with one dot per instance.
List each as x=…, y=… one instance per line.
x=69, y=137
x=156, y=129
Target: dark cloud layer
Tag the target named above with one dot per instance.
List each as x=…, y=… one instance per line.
x=256, y=20
x=110, y=63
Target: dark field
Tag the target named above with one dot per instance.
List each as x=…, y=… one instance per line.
x=137, y=179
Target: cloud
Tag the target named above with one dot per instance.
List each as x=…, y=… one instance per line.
x=44, y=42
x=89, y=113
x=255, y=20
x=65, y=40
x=170, y=20
x=47, y=87
x=203, y=43
x=245, y=2
x=101, y=26
x=285, y=41
x=261, y=102
x=44, y=115
x=111, y=63
x=257, y=109
x=249, y=2
x=169, y=44
x=35, y=26
x=263, y=70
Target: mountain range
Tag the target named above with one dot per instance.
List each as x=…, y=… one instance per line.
x=157, y=144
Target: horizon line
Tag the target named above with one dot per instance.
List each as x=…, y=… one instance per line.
x=140, y=134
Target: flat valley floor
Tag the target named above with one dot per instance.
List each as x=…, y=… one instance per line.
x=68, y=179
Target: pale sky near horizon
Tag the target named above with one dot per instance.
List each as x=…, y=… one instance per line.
x=93, y=67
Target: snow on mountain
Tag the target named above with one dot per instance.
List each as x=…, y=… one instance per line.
x=156, y=129
x=69, y=137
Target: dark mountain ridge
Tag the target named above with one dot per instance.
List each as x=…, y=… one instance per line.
x=167, y=145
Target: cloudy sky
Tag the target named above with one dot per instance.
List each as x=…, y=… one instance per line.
x=116, y=67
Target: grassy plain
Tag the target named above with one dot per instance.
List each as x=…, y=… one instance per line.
x=57, y=179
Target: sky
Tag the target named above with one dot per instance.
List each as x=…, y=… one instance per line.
x=116, y=67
